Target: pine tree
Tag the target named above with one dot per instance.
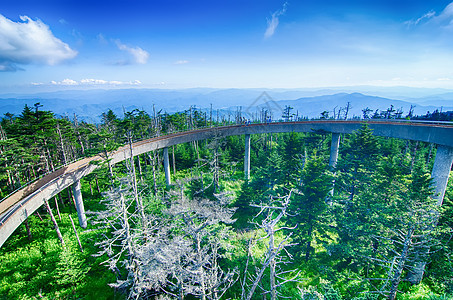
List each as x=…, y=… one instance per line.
x=354, y=205
x=245, y=212
x=290, y=152
x=266, y=181
x=309, y=206
x=358, y=160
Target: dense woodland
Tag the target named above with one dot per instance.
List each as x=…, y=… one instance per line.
x=366, y=229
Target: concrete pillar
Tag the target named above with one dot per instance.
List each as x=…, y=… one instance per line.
x=77, y=192
x=247, y=157
x=167, y=166
x=440, y=174
x=334, y=146
x=441, y=171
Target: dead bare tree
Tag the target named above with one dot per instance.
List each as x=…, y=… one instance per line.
x=346, y=110
x=200, y=274
x=176, y=253
x=130, y=164
x=121, y=247
x=274, y=258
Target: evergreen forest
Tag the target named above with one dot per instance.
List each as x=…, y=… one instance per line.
x=366, y=228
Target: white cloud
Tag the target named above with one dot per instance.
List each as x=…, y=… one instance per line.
x=91, y=81
x=107, y=82
x=447, y=13
x=425, y=17
x=30, y=42
x=139, y=55
x=66, y=81
x=69, y=82
x=272, y=24
x=181, y=62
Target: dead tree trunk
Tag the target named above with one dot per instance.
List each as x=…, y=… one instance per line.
x=274, y=212
x=55, y=224
x=58, y=210
x=138, y=199
x=63, y=152
x=401, y=263
x=61, y=200
x=139, y=167
x=348, y=107
x=75, y=231
x=71, y=197
x=272, y=264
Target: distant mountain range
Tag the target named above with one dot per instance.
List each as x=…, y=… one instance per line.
x=89, y=105
x=312, y=107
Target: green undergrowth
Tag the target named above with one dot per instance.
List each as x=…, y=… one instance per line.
x=41, y=268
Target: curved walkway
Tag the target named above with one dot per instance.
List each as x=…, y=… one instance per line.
x=16, y=208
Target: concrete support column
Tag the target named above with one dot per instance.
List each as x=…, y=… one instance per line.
x=167, y=166
x=247, y=157
x=440, y=174
x=334, y=146
x=441, y=171
x=77, y=192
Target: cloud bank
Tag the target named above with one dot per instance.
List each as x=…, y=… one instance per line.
x=272, y=24
x=29, y=42
x=91, y=82
x=139, y=55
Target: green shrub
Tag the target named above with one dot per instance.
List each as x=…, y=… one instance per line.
x=332, y=294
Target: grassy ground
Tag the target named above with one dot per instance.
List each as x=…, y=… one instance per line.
x=41, y=268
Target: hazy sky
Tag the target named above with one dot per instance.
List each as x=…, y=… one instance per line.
x=225, y=43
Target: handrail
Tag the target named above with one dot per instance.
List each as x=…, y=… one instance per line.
x=40, y=177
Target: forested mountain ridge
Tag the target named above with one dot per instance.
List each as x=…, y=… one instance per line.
x=341, y=246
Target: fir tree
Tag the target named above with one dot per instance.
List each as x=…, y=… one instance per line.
x=309, y=206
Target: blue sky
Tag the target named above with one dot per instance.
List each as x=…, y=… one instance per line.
x=225, y=44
